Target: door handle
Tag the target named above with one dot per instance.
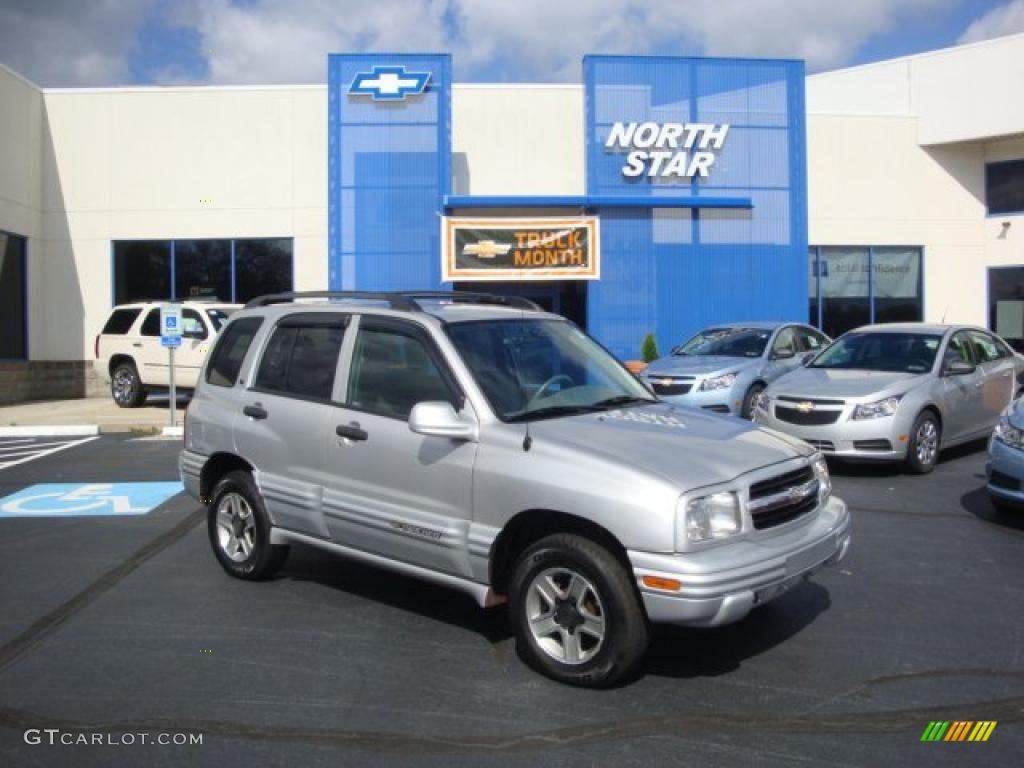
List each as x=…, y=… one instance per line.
x=351, y=431
x=256, y=411
x=137, y=344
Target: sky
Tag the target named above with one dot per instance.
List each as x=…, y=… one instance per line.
x=61, y=43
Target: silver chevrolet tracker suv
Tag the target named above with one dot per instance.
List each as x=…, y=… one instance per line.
x=477, y=442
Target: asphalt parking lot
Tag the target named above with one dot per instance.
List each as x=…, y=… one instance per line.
x=124, y=624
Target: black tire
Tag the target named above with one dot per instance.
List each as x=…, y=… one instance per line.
x=126, y=387
x=250, y=555
x=608, y=595
x=921, y=461
x=750, y=400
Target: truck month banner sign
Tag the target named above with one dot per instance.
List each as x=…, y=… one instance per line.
x=520, y=249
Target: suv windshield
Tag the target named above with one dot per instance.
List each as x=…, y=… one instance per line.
x=532, y=369
x=730, y=342
x=900, y=352
x=218, y=317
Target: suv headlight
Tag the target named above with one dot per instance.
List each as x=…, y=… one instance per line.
x=710, y=517
x=1008, y=434
x=718, y=382
x=877, y=409
x=824, y=480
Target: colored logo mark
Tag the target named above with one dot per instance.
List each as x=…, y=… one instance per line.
x=389, y=83
x=90, y=499
x=959, y=730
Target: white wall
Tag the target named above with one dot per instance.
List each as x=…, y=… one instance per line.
x=518, y=140
x=172, y=163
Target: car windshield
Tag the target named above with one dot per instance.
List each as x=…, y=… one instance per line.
x=534, y=369
x=218, y=317
x=730, y=342
x=902, y=352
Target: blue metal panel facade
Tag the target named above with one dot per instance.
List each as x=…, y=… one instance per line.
x=675, y=270
x=388, y=172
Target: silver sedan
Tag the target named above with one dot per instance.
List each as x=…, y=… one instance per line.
x=899, y=392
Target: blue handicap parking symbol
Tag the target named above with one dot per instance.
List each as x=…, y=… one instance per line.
x=84, y=499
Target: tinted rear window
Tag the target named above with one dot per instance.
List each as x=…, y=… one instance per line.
x=226, y=359
x=121, y=321
x=301, y=359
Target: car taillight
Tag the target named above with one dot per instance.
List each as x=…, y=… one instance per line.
x=96, y=347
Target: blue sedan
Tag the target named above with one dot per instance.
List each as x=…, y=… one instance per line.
x=1005, y=466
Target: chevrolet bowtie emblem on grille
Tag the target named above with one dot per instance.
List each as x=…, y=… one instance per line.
x=805, y=407
x=797, y=492
x=666, y=382
x=487, y=249
x=388, y=83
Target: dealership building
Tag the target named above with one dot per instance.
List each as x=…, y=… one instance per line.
x=659, y=194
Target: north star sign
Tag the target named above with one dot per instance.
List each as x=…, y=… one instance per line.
x=667, y=150
x=388, y=83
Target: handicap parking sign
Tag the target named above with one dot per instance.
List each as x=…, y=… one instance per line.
x=87, y=499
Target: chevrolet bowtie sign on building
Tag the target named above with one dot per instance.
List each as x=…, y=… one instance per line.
x=385, y=83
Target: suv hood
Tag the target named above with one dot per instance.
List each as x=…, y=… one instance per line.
x=685, y=446
x=844, y=383
x=698, y=364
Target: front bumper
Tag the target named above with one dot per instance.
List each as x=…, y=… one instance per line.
x=717, y=400
x=1004, y=472
x=846, y=438
x=722, y=584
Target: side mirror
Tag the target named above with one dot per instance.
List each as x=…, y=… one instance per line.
x=783, y=354
x=959, y=368
x=439, y=419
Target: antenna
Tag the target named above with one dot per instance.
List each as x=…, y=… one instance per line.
x=943, y=320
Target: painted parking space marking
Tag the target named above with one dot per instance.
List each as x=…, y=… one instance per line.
x=15, y=451
x=87, y=499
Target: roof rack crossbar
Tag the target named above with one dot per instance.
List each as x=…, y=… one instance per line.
x=407, y=301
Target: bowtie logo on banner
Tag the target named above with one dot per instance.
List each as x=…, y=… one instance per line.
x=389, y=83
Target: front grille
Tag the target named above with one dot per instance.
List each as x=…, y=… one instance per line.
x=716, y=408
x=677, y=387
x=813, y=418
x=1001, y=480
x=825, y=446
x=784, y=498
x=872, y=445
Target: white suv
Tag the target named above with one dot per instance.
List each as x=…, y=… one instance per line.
x=129, y=345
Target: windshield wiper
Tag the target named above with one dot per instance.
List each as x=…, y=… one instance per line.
x=611, y=402
x=550, y=411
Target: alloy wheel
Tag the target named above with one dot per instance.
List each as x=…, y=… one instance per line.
x=565, y=615
x=926, y=442
x=236, y=527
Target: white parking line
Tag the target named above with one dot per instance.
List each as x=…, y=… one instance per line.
x=6, y=447
x=48, y=449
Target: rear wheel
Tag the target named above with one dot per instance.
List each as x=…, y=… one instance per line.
x=126, y=387
x=750, y=400
x=575, y=612
x=925, y=438
x=239, y=529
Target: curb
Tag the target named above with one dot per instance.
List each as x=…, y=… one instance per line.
x=43, y=430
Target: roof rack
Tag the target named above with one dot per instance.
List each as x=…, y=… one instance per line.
x=405, y=301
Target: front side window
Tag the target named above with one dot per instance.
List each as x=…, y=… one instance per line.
x=988, y=349
x=531, y=369
x=192, y=326
x=785, y=343
x=811, y=340
x=226, y=358
x=731, y=342
x=391, y=372
x=959, y=349
x=301, y=360
x=896, y=352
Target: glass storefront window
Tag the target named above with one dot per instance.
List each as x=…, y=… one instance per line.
x=182, y=270
x=202, y=269
x=13, y=343
x=261, y=267
x=1006, y=304
x=854, y=286
x=1004, y=187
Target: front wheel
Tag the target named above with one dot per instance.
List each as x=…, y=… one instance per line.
x=750, y=401
x=239, y=529
x=925, y=437
x=575, y=612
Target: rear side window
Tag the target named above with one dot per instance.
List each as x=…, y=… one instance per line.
x=301, y=360
x=151, y=325
x=121, y=321
x=226, y=359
